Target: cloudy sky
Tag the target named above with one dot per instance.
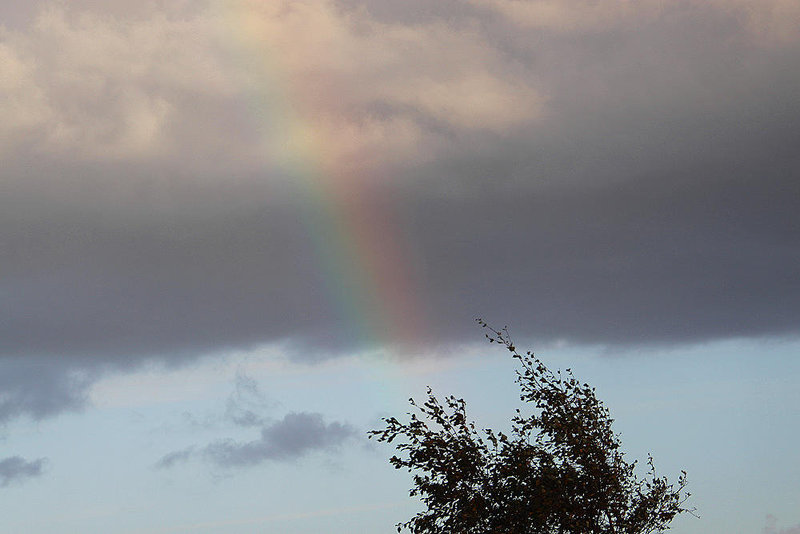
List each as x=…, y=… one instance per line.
x=237, y=233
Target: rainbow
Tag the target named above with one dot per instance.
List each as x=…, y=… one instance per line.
x=359, y=247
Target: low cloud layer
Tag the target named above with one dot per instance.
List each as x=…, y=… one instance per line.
x=294, y=436
x=41, y=387
x=174, y=458
x=191, y=179
x=15, y=469
x=289, y=438
x=246, y=404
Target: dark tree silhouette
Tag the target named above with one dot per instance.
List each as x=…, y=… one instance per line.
x=560, y=471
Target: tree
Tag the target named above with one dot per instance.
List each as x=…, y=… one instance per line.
x=560, y=471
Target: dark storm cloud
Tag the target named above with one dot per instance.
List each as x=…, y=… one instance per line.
x=620, y=265
x=84, y=288
x=17, y=469
x=654, y=199
x=660, y=204
x=294, y=436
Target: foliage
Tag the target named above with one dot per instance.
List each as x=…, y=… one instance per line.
x=560, y=471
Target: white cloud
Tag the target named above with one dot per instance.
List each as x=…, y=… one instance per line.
x=572, y=15
x=770, y=22
x=303, y=76
x=24, y=106
x=360, y=86
x=94, y=86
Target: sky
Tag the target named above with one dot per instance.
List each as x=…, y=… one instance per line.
x=236, y=234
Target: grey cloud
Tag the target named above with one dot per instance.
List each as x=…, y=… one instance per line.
x=245, y=407
x=41, y=387
x=245, y=402
x=17, y=469
x=171, y=459
x=245, y=417
x=294, y=436
x=291, y=437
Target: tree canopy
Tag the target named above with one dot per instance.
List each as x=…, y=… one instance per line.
x=560, y=470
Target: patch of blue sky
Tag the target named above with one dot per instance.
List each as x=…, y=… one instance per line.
x=727, y=412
